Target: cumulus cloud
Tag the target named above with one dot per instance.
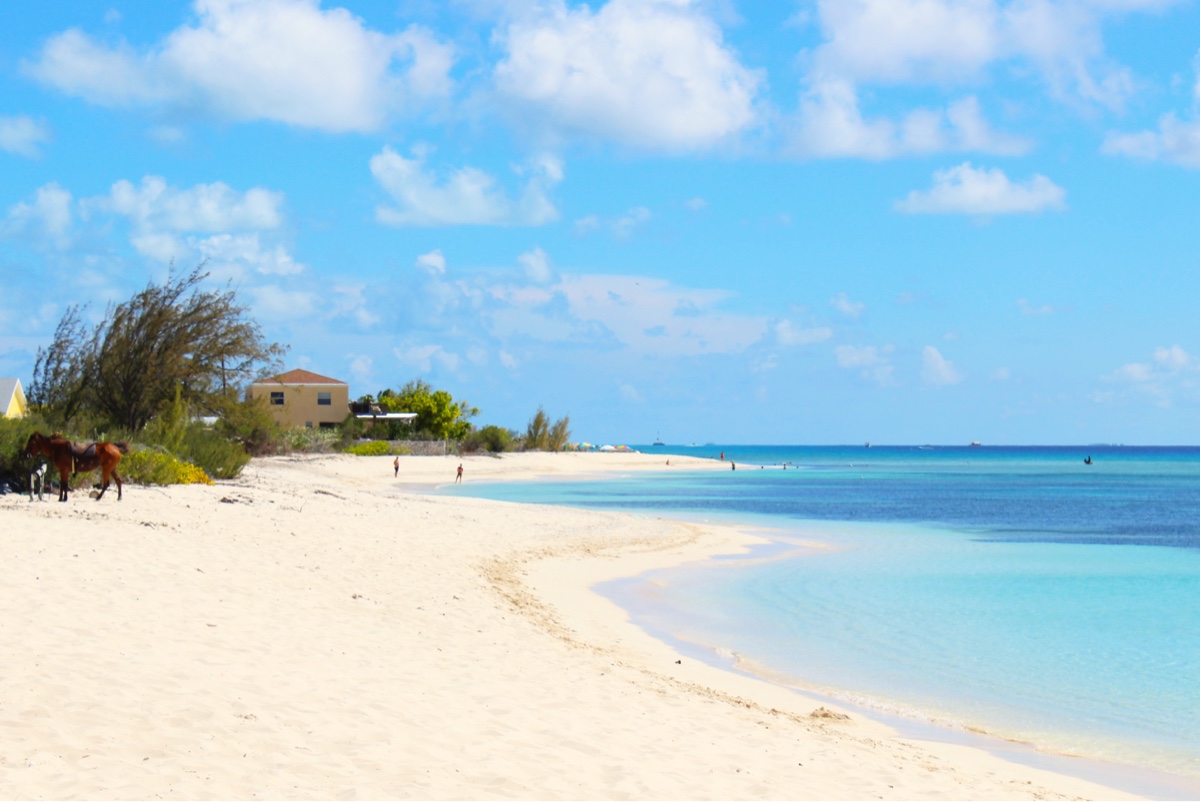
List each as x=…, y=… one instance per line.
x=464, y=196
x=48, y=215
x=22, y=135
x=967, y=190
x=245, y=249
x=788, y=333
x=1171, y=371
x=830, y=124
x=423, y=357
x=872, y=362
x=1030, y=309
x=537, y=267
x=154, y=205
x=283, y=60
x=936, y=370
x=1175, y=141
x=648, y=316
x=648, y=73
x=847, y=307
x=433, y=263
x=948, y=42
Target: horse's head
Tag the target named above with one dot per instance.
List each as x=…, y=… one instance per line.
x=35, y=444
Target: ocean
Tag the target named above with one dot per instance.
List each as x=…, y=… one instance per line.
x=1014, y=591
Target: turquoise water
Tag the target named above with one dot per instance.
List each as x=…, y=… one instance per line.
x=1014, y=590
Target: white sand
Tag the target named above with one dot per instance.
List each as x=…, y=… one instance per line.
x=321, y=635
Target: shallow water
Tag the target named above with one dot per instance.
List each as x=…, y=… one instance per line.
x=1018, y=591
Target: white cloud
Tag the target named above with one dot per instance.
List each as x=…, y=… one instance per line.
x=847, y=307
x=205, y=208
x=967, y=190
x=893, y=41
x=936, y=370
x=277, y=303
x=622, y=227
x=1171, y=372
x=871, y=362
x=537, y=267
x=423, y=356
x=508, y=360
x=467, y=196
x=1000, y=375
x=949, y=42
x=48, y=215
x=648, y=316
x=630, y=393
x=648, y=73
x=248, y=250
x=433, y=263
x=1175, y=141
x=788, y=333
x=361, y=367
x=830, y=124
x=1173, y=358
x=350, y=300
x=283, y=60
x=1030, y=310
x=21, y=135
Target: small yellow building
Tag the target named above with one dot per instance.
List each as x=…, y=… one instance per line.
x=304, y=398
x=12, y=399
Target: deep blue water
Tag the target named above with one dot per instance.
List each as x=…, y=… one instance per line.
x=1016, y=590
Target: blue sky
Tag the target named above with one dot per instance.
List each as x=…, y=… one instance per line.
x=832, y=221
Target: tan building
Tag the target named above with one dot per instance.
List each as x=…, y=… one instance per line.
x=12, y=399
x=304, y=398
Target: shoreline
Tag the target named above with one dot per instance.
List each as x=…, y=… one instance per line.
x=303, y=632
x=917, y=724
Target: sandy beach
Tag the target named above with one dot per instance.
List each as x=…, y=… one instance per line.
x=320, y=629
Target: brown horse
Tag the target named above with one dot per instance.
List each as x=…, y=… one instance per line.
x=71, y=458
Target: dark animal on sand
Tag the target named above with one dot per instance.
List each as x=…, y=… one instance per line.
x=70, y=458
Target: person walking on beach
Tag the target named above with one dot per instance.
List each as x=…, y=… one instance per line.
x=458, y=477
x=396, y=467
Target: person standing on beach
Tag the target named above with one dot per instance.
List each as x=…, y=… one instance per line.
x=396, y=467
x=458, y=477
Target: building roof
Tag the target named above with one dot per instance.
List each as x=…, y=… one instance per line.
x=8, y=389
x=300, y=376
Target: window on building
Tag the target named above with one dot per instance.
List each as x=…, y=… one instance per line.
x=277, y=398
x=328, y=425
x=324, y=399
x=308, y=424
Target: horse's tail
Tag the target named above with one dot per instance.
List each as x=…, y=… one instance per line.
x=123, y=447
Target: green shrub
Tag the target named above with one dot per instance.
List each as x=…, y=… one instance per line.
x=150, y=466
x=311, y=441
x=374, y=448
x=14, y=434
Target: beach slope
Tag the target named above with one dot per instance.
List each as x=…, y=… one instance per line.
x=315, y=629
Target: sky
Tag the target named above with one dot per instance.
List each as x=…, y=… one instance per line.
x=795, y=222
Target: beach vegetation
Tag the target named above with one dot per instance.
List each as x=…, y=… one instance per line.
x=537, y=431
x=125, y=370
x=439, y=415
x=14, y=434
x=542, y=435
x=559, y=434
x=495, y=439
x=154, y=466
x=371, y=448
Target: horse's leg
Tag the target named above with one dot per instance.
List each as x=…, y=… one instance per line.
x=117, y=476
x=64, y=481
